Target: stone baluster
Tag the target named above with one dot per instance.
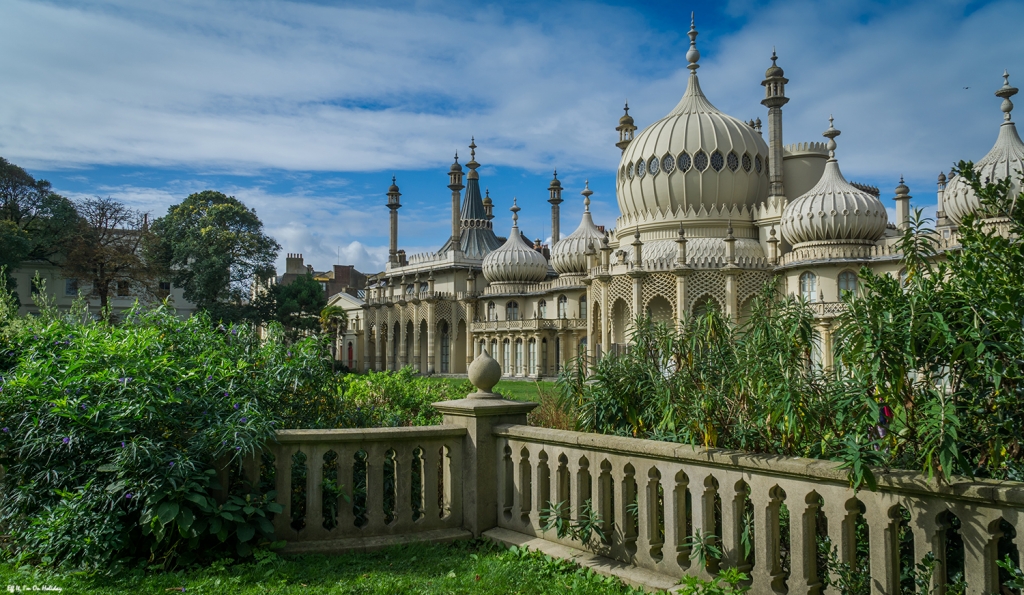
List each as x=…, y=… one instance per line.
x=979, y=528
x=803, y=512
x=314, y=493
x=882, y=516
x=346, y=465
x=375, y=485
x=403, y=485
x=283, y=473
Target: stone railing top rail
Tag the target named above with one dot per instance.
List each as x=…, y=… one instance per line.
x=368, y=434
x=999, y=493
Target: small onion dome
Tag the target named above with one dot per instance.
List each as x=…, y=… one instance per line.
x=515, y=261
x=1005, y=160
x=394, y=187
x=569, y=256
x=834, y=210
x=455, y=166
x=942, y=178
x=774, y=69
x=902, y=189
x=626, y=119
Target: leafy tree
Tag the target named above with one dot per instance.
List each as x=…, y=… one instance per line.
x=106, y=250
x=33, y=219
x=299, y=304
x=214, y=247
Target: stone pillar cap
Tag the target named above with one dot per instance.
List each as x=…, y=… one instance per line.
x=484, y=373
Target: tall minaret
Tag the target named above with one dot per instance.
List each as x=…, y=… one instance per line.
x=394, y=205
x=455, y=184
x=555, y=189
x=626, y=128
x=774, y=84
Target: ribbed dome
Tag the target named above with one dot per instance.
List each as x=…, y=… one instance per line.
x=834, y=210
x=695, y=156
x=569, y=256
x=515, y=261
x=1005, y=159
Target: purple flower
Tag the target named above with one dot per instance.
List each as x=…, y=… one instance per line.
x=122, y=444
x=128, y=496
x=84, y=407
x=236, y=404
x=171, y=464
x=66, y=440
x=244, y=420
x=289, y=354
x=238, y=448
x=234, y=331
x=226, y=394
x=209, y=378
x=6, y=430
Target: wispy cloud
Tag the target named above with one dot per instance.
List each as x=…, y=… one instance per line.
x=275, y=91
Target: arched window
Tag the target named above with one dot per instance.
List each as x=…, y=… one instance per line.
x=904, y=277
x=583, y=307
x=563, y=303
x=446, y=348
x=520, y=362
x=542, y=309
x=512, y=311
x=491, y=313
x=532, y=363
x=809, y=287
x=847, y=285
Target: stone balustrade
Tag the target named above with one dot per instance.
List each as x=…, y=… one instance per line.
x=533, y=324
x=396, y=484
x=654, y=499
x=484, y=472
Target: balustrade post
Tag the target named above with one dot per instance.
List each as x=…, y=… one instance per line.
x=481, y=460
x=803, y=575
x=883, y=533
x=980, y=532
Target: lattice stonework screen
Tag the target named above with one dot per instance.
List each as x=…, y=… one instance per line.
x=443, y=311
x=749, y=284
x=619, y=287
x=702, y=284
x=460, y=313
x=663, y=284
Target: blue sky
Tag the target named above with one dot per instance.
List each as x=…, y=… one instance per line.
x=304, y=110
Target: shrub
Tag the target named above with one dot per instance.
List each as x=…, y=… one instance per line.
x=110, y=435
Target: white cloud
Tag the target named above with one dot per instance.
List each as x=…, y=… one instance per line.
x=242, y=87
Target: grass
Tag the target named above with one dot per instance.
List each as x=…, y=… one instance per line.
x=516, y=390
x=474, y=567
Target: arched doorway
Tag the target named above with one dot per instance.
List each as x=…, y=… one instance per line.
x=424, y=365
x=659, y=310
x=445, y=346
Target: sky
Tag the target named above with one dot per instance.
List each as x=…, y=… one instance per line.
x=305, y=110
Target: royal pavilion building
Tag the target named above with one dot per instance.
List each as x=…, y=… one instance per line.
x=711, y=208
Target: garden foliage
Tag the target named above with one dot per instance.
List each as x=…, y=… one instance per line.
x=111, y=435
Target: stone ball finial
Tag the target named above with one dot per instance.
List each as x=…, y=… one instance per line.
x=484, y=373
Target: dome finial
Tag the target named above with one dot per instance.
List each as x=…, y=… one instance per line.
x=831, y=135
x=515, y=213
x=774, y=57
x=586, y=196
x=693, y=54
x=1006, y=92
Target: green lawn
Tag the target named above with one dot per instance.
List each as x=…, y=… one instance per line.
x=466, y=567
x=517, y=390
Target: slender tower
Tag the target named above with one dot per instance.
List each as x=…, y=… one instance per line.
x=456, y=186
x=555, y=189
x=774, y=84
x=626, y=128
x=394, y=205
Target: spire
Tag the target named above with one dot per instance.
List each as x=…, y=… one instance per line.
x=515, y=214
x=472, y=164
x=693, y=54
x=586, y=196
x=831, y=135
x=1006, y=92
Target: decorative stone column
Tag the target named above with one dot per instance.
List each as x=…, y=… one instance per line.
x=431, y=323
x=479, y=413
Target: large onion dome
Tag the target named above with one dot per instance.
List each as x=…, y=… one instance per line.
x=834, y=210
x=694, y=157
x=515, y=261
x=569, y=256
x=1004, y=160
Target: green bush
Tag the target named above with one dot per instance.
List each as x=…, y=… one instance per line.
x=110, y=435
